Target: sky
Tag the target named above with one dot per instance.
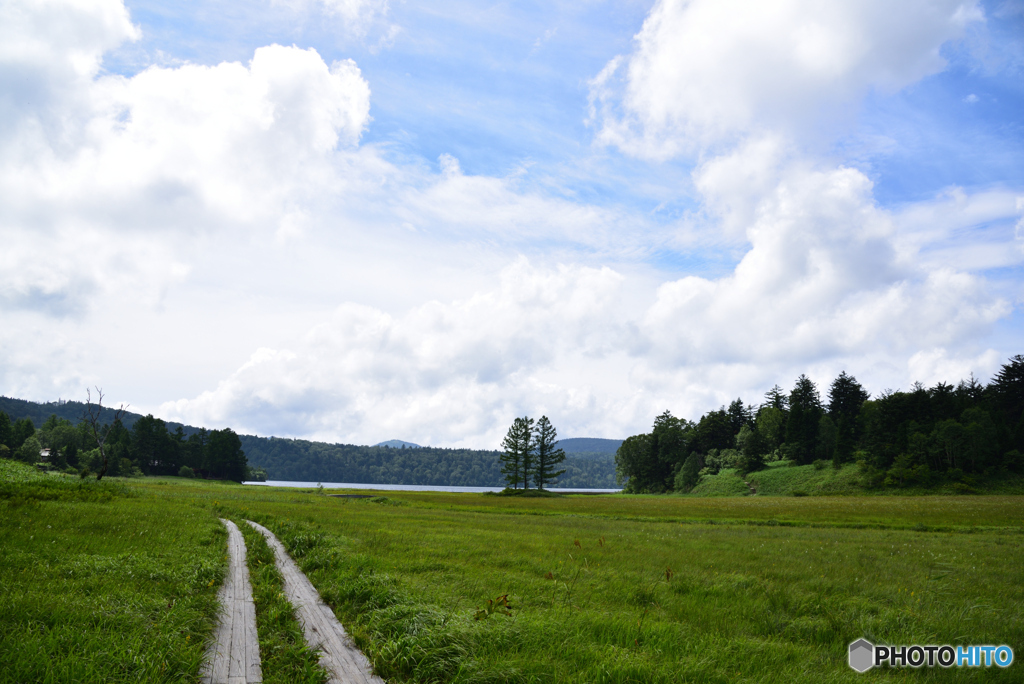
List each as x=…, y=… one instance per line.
x=359, y=220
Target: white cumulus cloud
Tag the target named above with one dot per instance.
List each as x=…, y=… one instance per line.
x=710, y=72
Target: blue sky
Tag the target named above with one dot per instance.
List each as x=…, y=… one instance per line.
x=355, y=220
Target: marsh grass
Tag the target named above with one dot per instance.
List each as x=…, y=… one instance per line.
x=643, y=601
x=116, y=590
x=286, y=659
x=20, y=484
x=604, y=588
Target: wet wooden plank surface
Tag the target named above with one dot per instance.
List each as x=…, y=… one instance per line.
x=344, y=662
x=234, y=655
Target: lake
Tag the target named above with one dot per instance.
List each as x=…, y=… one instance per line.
x=417, y=488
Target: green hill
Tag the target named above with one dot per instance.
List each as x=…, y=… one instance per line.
x=783, y=479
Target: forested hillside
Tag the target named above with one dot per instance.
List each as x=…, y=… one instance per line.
x=148, y=445
x=944, y=434
x=72, y=411
x=132, y=444
x=302, y=460
x=589, y=448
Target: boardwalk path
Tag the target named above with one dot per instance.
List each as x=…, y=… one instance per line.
x=343, y=661
x=234, y=656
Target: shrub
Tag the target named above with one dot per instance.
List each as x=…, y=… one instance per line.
x=820, y=464
x=689, y=474
x=963, y=488
x=29, y=451
x=185, y=471
x=1014, y=461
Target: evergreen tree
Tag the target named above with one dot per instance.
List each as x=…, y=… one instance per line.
x=845, y=397
x=844, y=442
x=20, y=431
x=739, y=415
x=6, y=430
x=827, y=433
x=517, y=448
x=714, y=431
x=225, y=456
x=195, y=452
x=776, y=398
x=71, y=454
x=547, y=455
x=751, y=445
x=804, y=414
x=1008, y=388
x=667, y=451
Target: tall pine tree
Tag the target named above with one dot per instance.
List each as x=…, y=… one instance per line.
x=845, y=397
x=804, y=414
x=547, y=455
x=517, y=449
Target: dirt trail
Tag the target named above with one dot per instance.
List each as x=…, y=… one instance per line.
x=343, y=661
x=234, y=655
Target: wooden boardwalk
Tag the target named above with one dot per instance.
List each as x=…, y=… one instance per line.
x=345, y=663
x=234, y=656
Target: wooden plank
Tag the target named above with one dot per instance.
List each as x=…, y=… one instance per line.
x=344, y=663
x=234, y=655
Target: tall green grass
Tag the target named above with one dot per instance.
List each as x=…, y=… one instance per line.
x=783, y=479
x=20, y=483
x=644, y=601
x=728, y=482
x=603, y=588
x=115, y=589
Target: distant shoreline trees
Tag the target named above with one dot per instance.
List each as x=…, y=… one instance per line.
x=529, y=453
x=919, y=437
x=108, y=448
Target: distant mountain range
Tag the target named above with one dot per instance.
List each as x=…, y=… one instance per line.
x=589, y=461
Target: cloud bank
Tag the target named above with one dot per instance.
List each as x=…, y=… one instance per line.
x=220, y=240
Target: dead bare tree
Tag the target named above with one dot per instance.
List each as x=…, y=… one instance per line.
x=92, y=415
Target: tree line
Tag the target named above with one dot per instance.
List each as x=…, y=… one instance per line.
x=918, y=437
x=297, y=460
x=147, y=448
x=530, y=452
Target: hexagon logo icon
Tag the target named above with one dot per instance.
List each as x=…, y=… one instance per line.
x=862, y=655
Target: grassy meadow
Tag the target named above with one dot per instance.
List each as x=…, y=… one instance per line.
x=102, y=583
x=602, y=588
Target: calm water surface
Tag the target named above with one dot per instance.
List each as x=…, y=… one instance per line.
x=416, y=488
